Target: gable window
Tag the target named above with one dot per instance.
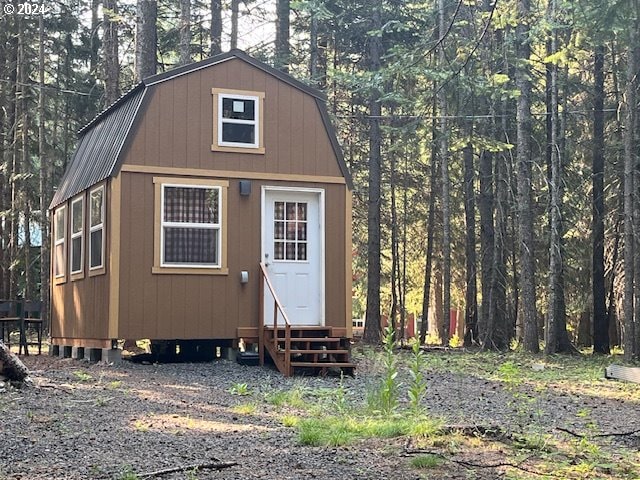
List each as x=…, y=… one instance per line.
x=191, y=226
x=77, y=237
x=59, y=247
x=96, y=229
x=238, y=121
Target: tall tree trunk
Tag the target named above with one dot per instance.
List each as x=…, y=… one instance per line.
x=438, y=310
x=110, y=52
x=433, y=180
x=525, y=197
x=634, y=53
x=446, y=200
x=235, y=7
x=14, y=220
x=283, y=48
x=216, y=27
x=185, y=32
x=403, y=270
x=471, y=294
x=629, y=192
x=9, y=113
x=501, y=328
x=3, y=146
x=94, y=44
x=395, y=260
x=601, y=343
x=26, y=191
x=45, y=173
x=313, y=47
x=556, y=332
x=372, y=326
x=485, y=207
x=146, y=38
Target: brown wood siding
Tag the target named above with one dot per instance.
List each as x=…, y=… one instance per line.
x=80, y=309
x=212, y=306
x=176, y=130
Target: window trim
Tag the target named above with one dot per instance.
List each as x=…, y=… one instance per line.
x=100, y=269
x=77, y=274
x=58, y=279
x=158, y=265
x=218, y=144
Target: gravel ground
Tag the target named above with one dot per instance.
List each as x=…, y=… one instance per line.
x=91, y=421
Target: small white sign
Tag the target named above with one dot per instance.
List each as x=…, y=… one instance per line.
x=238, y=106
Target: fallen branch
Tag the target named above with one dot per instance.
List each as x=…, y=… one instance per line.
x=598, y=435
x=185, y=468
x=490, y=431
x=466, y=463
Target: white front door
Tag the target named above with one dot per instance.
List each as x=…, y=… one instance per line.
x=293, y=252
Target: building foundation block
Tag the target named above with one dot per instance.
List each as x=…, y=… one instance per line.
x=93, y=354
x=77, y=353
x=111, y=355
x=64, y=351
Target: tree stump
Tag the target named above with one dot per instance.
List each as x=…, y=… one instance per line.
x=11, y=366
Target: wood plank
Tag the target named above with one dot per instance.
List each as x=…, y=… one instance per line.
x=619, y=372
x=309, y=152
x=323, y=364
x=320, y=352
x=311, y=339
x=181, y=123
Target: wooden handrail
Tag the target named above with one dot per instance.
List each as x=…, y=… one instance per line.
x=277, y=307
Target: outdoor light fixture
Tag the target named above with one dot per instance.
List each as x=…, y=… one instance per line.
x=245, y=188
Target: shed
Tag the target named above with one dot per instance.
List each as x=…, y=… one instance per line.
x=201, y=202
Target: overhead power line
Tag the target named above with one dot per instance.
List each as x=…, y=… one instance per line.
x=49, y=87
x=462, y=117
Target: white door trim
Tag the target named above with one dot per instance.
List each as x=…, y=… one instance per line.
x=321, y=214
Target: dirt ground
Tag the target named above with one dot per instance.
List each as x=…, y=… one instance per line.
x=97, y=421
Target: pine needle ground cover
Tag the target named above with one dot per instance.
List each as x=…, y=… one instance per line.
x=438, y=415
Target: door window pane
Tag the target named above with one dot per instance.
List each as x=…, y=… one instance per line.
x=293, y=230
x=278, y=230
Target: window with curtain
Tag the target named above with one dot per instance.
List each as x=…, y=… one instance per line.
x=191, y=224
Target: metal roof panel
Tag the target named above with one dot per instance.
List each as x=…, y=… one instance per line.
x=99, y=147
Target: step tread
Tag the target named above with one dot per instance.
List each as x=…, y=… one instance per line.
x=294, y=350
x=310, y=339
x=301, y=327
x=323, y=364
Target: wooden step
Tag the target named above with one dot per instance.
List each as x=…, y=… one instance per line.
x=301, y=327
x=310, y=339
x=323, y=364
x=328, y=352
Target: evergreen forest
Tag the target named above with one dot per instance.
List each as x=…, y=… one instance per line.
x=494, y=146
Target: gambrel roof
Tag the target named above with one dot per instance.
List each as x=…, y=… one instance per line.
x=103, y=140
